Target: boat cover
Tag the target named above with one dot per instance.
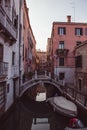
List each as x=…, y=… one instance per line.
x=64, y=106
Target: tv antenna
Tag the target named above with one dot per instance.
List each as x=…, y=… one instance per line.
x=73, y=6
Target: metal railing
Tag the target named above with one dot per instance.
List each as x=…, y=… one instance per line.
x=3, y=68
x=7, y=23
x=76, y=95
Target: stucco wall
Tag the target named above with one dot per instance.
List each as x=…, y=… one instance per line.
x=69, y=74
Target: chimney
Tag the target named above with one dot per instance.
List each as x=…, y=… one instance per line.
x=68, y=18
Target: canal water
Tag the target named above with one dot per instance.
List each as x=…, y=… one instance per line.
x=29, y=114
x=43, y=116
x=55, y=121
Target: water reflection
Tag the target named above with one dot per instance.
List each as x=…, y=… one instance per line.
x=41, y=96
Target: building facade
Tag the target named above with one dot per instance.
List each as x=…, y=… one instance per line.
x=42, y=56
x=15, y=49
x=65, y=36
x=49, y=54
x=81, y=66
x=9, y=54
x=29, y=42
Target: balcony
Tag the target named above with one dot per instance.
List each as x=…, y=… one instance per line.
x=62, y=52
x=3, y=69
x=6, y=26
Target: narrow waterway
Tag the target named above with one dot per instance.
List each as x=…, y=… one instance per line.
x=28, y=114
x=43, y=115
x=54, y=121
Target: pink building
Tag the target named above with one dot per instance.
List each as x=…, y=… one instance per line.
x=65, y=36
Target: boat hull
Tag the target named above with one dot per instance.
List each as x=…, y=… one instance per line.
x=63, y=106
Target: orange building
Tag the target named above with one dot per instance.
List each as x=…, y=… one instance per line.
x=65, y=36
x=42, y=56
x=29, y=43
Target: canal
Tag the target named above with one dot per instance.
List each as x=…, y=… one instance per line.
x=32, y=112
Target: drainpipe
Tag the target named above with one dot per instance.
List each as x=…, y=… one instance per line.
x=20, y=3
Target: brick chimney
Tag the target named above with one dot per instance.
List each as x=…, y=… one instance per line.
x=68, y=18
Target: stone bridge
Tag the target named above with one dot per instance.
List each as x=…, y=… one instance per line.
x=40, y=79
x=70, y=92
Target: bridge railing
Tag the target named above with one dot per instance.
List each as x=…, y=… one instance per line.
x=25, y=85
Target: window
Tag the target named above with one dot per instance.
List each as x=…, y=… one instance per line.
x=61, y=45
x=13, y=58
x=80, y=84
x=61, y=61
x=61, y=30
x=31, y=42
x=1, y=53
x=86, y=31
x=7, y=88
x=61, y=76
x=0, y=1
x=78, y=43
x=15, y=22
x=7, y=3
x=78, y=31
x=78, y=61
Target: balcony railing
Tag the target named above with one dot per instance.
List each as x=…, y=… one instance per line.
x=7, y=25
x=62, y=52
x=3, y=68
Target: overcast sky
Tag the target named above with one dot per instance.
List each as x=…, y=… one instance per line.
x=43, y=13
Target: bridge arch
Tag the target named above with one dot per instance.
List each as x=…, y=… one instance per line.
x=37, y=81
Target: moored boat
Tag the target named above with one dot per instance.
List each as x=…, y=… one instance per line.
x=63, y=106
x=75, y=124
x=68, y=128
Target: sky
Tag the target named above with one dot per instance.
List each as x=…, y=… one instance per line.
x=42, y=13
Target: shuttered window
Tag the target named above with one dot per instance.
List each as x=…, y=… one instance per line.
x=78, y=31
x=61, y=61
x=61, y=44
x=61, y=30
x=78, y=61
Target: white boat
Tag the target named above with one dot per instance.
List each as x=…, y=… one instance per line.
x=63, y=106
